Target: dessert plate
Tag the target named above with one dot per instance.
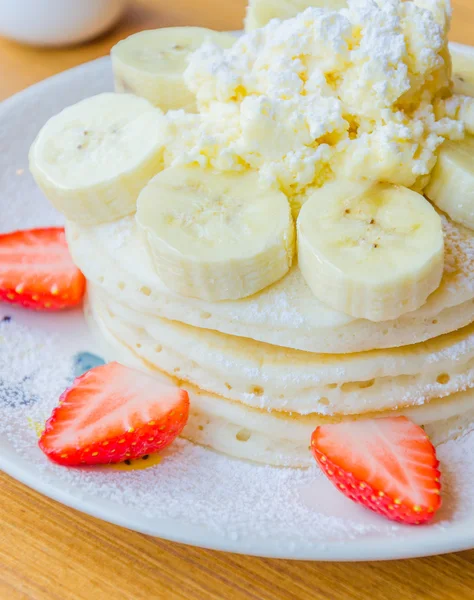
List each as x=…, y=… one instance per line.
x=191, y=495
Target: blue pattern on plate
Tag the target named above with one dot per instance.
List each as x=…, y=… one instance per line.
x=20, y=393
x=15, y=394
x=84, y=361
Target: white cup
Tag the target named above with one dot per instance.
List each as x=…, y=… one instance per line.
x=57, y=22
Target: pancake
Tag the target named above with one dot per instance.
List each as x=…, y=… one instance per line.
x=276, y=437
x=275, y=378
x=114, y=257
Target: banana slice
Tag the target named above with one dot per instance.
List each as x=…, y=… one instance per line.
x=215, y=236
x=463, y=70
x=260, y=12
x=373, y=251
x=151, y=63
x=93, y=158
x=451, y=186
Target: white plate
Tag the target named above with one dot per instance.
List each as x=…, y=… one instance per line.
x=194, y=495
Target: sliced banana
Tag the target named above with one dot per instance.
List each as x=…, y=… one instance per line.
x=371, y=250
x=215, y=236
x=93, y=158
x=463, y=70
x=451, y=186
x=260, y=12
x=151, y=63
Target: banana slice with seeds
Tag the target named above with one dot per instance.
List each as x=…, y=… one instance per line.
x=93, y=158
x=151, y=63
x=373, y=251
x=260, y=12
x=463, y=70
x=215, y=236
x=451, y=186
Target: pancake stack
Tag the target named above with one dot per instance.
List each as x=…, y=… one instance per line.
x=285, y=274
x=264, y=371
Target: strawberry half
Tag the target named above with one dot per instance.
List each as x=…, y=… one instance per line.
x=388, y=465
x=37, y=272
x=112, y=413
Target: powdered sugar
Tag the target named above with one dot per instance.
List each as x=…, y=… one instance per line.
x=23, y=374
x=192, y=484
x=459, y=257
x=457, y=465
x=119, y=232
x=234, y=500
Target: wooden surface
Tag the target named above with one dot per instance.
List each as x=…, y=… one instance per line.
x=49, y=552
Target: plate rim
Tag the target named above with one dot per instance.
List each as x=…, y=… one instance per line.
x=434, y=541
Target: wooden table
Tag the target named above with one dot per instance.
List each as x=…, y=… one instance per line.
x=50, y=552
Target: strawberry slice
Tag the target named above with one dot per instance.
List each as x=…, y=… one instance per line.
x=112, y=413
x=388, y=465
x=37, y=272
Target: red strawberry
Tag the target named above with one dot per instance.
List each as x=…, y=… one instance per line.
x=112, y=413
x=36, y=270
x=388, y=465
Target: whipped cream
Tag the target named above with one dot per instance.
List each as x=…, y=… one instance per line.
x=357, y=91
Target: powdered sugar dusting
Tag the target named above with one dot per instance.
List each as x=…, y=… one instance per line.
x=232, y=499
x=195, y=485
x=459, y=257
x=32, y=368
x=457, y=466
x=119, y=231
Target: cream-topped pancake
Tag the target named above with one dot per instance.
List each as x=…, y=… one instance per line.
x=114, y=257
x=301, y=250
